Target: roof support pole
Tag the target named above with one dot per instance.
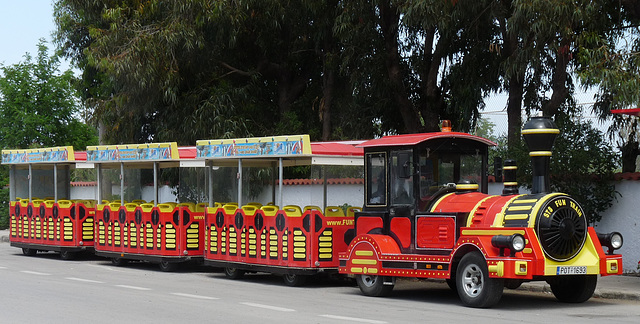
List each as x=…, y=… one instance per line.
x=122, y=183
x=280, y=203
x=239, y=183
x=155, y=184
x=99, y=183
x=30, y=179
x=55, y=182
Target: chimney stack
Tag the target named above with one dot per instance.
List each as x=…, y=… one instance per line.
x=539, y=134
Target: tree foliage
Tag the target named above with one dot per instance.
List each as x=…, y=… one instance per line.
x=39, y=107
x=191, y=69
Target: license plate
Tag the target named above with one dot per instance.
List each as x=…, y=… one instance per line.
x=571, y=270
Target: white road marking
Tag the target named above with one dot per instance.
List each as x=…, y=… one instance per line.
x=195, y=296
x=84, y=280
x=352, y=319
x=35, y=273
x=275, y=308
x=133, y=287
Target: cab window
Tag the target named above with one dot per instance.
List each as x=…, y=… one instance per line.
x=376, y=179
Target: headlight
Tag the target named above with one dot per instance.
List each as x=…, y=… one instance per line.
x=611, y=240
x=515, y=243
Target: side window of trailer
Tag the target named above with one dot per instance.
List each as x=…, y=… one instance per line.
x=376, y=178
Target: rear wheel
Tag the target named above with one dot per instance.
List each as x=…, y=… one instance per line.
x=475, y=287
x=67, y=255
x=233, y=273
x=573, y=289
x=373, y=285
x=119, y=262
x=29, y=252
x=167, y=266
x=294, y=280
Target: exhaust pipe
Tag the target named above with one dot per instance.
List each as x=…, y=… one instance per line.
x=540, y=134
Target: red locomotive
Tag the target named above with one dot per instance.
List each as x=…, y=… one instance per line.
x=427, y=215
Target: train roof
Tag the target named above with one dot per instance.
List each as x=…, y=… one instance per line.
x=414, y=139
x=294, y=150
x=42, y=156
x=268, y=151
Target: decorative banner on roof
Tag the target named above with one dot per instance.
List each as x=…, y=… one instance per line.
x=255, y=146
x=39, y=155
x=133, y=152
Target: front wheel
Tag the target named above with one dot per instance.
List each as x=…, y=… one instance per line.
x=475, y=287
x=294, y=280
x=29, y=252
x=573, y=289
x=373, y=285
x=233, y=273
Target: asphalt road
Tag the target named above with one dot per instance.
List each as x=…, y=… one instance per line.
x=46, y=289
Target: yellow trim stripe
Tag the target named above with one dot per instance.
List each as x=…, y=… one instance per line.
x=540, y=131
x=466, y=186
x=498, y=221
x=519, y=208
x=510, y=167
x=510, y=183
x=516, y=216
x=440, y=200
x=491, y=232
x=525, y=201
x=540, y=153
x=473, y=211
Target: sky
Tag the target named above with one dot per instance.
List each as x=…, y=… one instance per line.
x=22, y=24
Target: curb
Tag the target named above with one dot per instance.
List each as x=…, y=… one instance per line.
x=599, y=293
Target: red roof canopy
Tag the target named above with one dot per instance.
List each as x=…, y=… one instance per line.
x=80, y=155
x=187, y=152
x=336, y=148
x=413, y=139
x=632, y=111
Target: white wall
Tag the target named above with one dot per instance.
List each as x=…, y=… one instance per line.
x=624, y=217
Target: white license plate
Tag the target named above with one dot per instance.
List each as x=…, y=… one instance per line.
x=571, y=270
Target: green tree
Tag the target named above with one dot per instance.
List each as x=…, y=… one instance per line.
x=40, y=108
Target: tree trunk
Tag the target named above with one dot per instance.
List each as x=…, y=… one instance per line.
x=630, y=152
x=329, y=79
x=389, y=20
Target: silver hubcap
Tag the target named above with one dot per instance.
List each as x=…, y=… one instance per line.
x=369, y=281
x=472, y=280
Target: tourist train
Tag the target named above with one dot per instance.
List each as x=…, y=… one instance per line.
x=423, y=211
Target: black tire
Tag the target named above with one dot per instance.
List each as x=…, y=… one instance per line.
x=166, y=266
x=452, y=284
x=294, y=280
x=233, y=273
x=475, y=287
x=574, y=289
x=67, y=255
x=119, y=262
x=29, y=252
x=373, y=285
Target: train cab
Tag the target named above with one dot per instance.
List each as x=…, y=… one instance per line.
x=428, y=214
x=406, y=175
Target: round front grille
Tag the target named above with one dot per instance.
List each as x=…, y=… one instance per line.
x=561, y=228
